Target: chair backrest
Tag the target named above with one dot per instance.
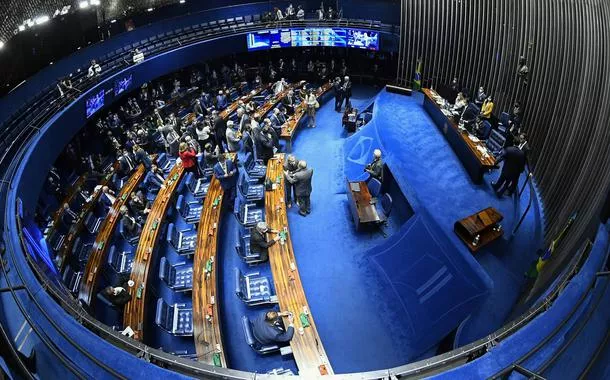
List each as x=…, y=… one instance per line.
x=182, y=206
x=240, y=284
x=165, y=271
x=190, y=181
x=248, y=161
x=164, y=316
x=242, y=183
x=78, y=245
x=486, y=130
x=162, y=158
x=386, y=204
x=173, y=235
x=247, y=327
x=113, y=258
x=504, y=117
x=374, y=186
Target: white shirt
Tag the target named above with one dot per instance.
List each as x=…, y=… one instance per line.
x=137, y=58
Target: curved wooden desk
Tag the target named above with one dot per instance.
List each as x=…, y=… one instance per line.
x=104, y=237
x=246, y=98
x=307, y=348
x=135, y=310
x=206, y=320
x=271, y=103
x=66, y=248
x=290, y=126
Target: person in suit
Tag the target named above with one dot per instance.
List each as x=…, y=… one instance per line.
x=107, y=197
x=233, y=137
x=291, y=165
x=127, y=163
x=289, y=102
x=264, y=145
x=154, y=179
x=226, y=172
x=375, y=168
x=172, y=139
x=277, y=118
x=69, y=217
x=259, y=243
x=514, y=164
x=210, y=155
x=220, y=130
x=119, y=295
x=198, y=109
x=481, y=96
x=138, y=205
x=242, y=118
x=338, y=91
x=142, y=157
x=130, y=224
x=221, y=100
x=347, y=90
x=268, y=328
x=301, y=179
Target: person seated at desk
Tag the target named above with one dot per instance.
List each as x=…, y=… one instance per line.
x=350, y=118
x=130, y=224
x=154, y=179
x=258, y=240
x=277, y=118
x=289, y=102
x=107, y=197
x=375, y=168
x=221, y=100
x=268, y=328
x=138, y=205
x=69, y=217
x=118, y=296
x=487, y=108
x=461, y=101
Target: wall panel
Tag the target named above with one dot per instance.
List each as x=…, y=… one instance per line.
x=566, y=103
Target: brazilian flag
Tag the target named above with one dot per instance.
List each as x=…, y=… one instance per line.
x=418, y=70
x=539, y=264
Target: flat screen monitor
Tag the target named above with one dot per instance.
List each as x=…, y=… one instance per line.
x=122, y=84
x=298, y=37
x=94, y=103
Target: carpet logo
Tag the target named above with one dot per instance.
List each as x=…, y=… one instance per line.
x=361, y=151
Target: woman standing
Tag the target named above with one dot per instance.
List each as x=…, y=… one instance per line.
x=311, y=103
x=188, y=156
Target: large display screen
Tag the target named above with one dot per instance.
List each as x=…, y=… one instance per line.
x=122, y=84
x=297, y=37
x=94, y=103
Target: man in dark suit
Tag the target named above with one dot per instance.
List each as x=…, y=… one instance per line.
x=514, y=163
x=226, y=172
x=138, y=205
x=119, y=295
x=291, y=165
x=347, y=90
x=220, y=131
x=258, y=240
x=130, y=224
x=301, y=180
x=268, y=328
x=142, y=157
x=289, y=102
x=127, y=163
x=264, y=145
x=338, y=91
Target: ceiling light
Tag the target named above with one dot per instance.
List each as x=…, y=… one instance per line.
x=41, y=19
x=112, y=21
x=83, y=4
x=94, y=2
x=1, y=44
x=65, y=9
x=21, y=28
x=150, y=9
x=182, y=1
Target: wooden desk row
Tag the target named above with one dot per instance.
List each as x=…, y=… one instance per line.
x=290, y=126
x=271, y=103
x=66, y=249
x=246, y=98
x=468, y=151
x=104, y=237
x=306, y=345
x=72, y=192
x=135, y=310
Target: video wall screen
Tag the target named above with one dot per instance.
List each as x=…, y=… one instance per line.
x=298, y=37
x=122, y=85
x=94, y=103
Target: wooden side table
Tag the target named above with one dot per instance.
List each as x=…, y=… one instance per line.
x=480, y=229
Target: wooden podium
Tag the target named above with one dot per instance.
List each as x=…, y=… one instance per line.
x=480, y=229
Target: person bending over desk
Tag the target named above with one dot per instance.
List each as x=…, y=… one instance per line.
x=258, y=240
x=118, y=295
x=268, y=328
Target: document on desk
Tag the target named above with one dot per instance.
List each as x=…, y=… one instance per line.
x=355, y=186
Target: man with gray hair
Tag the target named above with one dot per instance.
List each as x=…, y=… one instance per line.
x=291, y=165
x=301, y=180
x=233, y=137
x=258, y=240
x=375, y=168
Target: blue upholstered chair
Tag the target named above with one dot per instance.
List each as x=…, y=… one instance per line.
x=197, y=186
x=56, y=241
x=256, y=169
x=176, y=319
x=178, y=277
x=183, y=241
x=250, y=192
x=374, y=187
x=262, y=349
x=72, y=279
x=120, y=262
x=504, y=118
x=243, y=248
x=485, y=130
x=190, y=211
x=495, y=142
x=253, y=289
x=81, y=250
x=92, y=223
x=165, y=162
x=384, y=208
x=131, y=239
x=248, y=214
